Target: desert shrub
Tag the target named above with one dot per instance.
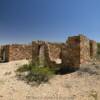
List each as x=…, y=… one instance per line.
x=40, y=74
x=36, y=73
x=25, y=67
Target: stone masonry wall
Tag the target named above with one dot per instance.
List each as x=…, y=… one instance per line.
x=65, y=55
x=76, y=51
x=0, y=53
x=19, y=52
x=39, y=53
x=46, y=53
x=71, y=52
x=84, y=50
x=93, y=49
x=4, y=52
x=54, y=52
x=35, y=51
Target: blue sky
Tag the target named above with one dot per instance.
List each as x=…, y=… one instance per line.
x=22, y=21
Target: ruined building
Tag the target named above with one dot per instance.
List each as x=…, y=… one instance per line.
x=77, y=50
x=15, y=52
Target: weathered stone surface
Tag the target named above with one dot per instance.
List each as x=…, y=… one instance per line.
x=0, y=52
x=65, y=55
x=76, y=51
x=71, y=52
x=54, y=51
x=93, y=49
x=46, y=53
x=84, y=49
x=16, y=52
x=35, y=51
x=4, y=53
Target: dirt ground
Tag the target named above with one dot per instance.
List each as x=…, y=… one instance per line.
x=83, y=84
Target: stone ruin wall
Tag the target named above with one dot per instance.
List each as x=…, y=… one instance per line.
x=63, y=54
x=16, y=52
x=4, y=52
x=54, y=51
x=19, y=52
x=76, y=51
x=38, y=51
x=84, y=50
x=70, y=53
x=35, y=51
x=47, y=52
x=0, y=52
x=93, y=49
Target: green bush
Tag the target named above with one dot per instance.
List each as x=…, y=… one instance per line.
x=36, y=73
x=40, y=74
x=26, y=67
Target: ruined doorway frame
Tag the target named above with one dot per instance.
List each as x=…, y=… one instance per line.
x=41, y=54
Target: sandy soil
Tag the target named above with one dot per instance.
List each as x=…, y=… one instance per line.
x=81, y=85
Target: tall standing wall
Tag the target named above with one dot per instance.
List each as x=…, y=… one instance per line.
x=47, y=54
x=71, y=52
x=93, y=49
x=76, y=51
x=84, y=50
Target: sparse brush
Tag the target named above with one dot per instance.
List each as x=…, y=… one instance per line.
x=36, y=73
x=40, y=74
x=26, y=67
